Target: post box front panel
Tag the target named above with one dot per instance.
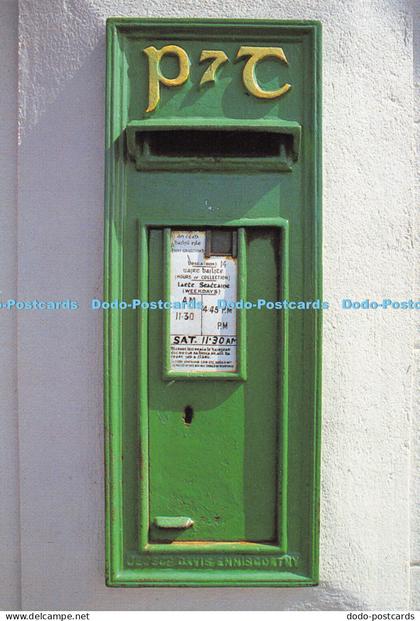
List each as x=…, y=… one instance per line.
x=213, y=445
x=212, y=411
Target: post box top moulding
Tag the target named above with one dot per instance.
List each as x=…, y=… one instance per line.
x=216, y=71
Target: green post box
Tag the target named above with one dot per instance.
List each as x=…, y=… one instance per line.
x=213, y=269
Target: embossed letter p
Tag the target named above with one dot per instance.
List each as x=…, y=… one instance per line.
x=155, y=75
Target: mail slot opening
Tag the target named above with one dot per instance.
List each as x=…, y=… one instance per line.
x=215, y=144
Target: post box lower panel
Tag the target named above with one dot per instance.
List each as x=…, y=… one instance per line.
x=213, y=467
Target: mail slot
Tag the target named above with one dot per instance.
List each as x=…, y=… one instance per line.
x=212, y=228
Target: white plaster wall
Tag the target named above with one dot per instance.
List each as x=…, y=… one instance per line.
x=9, y=488
x=369, y=216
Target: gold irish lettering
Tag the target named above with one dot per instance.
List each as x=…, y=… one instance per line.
x=156, y=77
x=256, y=54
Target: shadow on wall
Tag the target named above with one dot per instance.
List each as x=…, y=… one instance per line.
x=318, y=598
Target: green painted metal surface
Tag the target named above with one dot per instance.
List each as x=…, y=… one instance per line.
x=169, y=522
x=212, y=478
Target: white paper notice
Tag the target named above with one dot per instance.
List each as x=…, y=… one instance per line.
x=201, y=340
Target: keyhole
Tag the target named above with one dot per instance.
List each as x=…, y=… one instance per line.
x=188, y=414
